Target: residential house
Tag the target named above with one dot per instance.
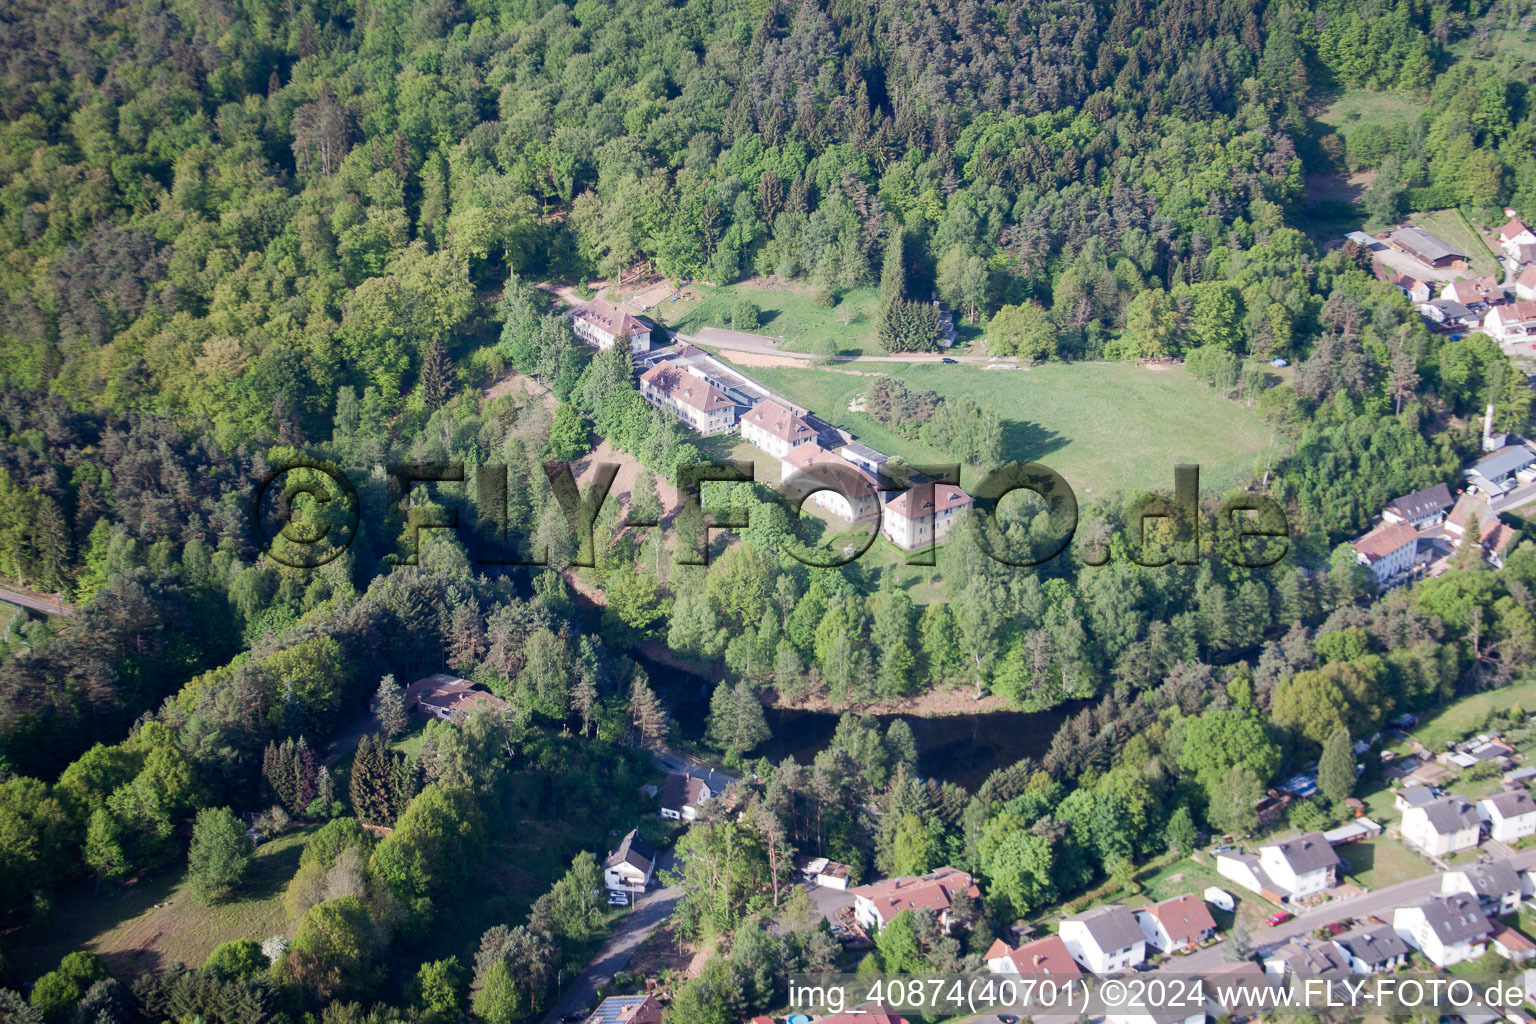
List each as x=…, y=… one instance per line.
x=776, y=429
x=1373, y=949
x=1450, y=314
x=923, y=514
x=878, y=903
x=1176, y=923
x=1239, y=991
x=630, y=866
x=1308, y=960
x=1469, y=515
x=1474, y=293
x=1040, y=957
x=639, y=1009
x=697, y=403
x=1421, y=508
x=1495, y=539
x=1511, y=944
x=1510, y=814
x=837, y=485
x=1445, y=929
x=1388, y=551
x=1424, y=246
x=600, y=324
x=682, y=796
x=1500, y=471
x=448, y=698
x=1445, y=826
x=1493, y=883
x=1513, y=322
x=1417, y=291
x=1525, y=284
x=1515, y=234
x=1105, y=939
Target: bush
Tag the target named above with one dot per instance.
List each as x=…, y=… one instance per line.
x=237, y=958
x=744, y=314
x=220, y=854
x=57, y=992
x=824, y=298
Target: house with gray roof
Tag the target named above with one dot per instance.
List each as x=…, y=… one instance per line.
x=1444, y=826
x=1445, y=929
x=1493, y=883
x=1510, y=814
x=1105, y=939
x=1307, y=959
x=638, y=1009
x=1496, y=472
x=630, y=866
x=1373, y=949
x=1421, y=508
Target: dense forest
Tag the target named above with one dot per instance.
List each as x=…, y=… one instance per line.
x=236, y=234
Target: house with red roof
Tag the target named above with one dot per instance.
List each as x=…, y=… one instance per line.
x=1176, y=923
x=600, y=324
x=1515, y=234
x=878, y=903
x=847, y=491
x=776, y=428
x=692, y=399
x=1388, y=551
x=1042, y=956
x=923, y=514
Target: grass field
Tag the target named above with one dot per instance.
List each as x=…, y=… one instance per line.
x=1451, y=226
x=148, y=925
x=1108, y=428
x=1468, y=714
x=1367, y=106
x=1381, y=861
x=1191, y=876
x=789, y=313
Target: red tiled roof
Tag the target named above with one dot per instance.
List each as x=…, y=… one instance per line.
x=1527, y=278
x=1511, y=229
x=1384, y=540
x=1496, y=536
x=1185, y=918
x=934, y=891
x=686, y=388
x=610, y=318
x=1515, y=312
x=805, y=456
x=1042, y=956
x=1511, y=940
x=782, y=423
x=944, y=496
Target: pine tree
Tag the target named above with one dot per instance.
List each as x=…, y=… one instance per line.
x=646, y=710
x=584, y=700
x=372, y=796
x=389, y=707
x=436, y=374
x=1336, y=769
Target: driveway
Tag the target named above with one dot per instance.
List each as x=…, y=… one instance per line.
x=739, y=341
x=652, y=909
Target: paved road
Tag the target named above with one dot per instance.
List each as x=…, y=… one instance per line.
x=37, y=602
x=1380, y=902
x=652, y=909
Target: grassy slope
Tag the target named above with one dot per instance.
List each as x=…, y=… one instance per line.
x=1452, y=226
x=1371, y=107
x=148, y=925
x=1106, y=427
x=790, y=314
x=1468, y=714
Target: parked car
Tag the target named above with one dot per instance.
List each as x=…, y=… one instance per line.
x=618, y=899
x=572, y=1018
x=1143, y=967
x=1278, y=917
x=949, y=361
x=1006, y=1018
x=1222, y=849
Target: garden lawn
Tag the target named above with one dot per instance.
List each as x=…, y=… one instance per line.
x=1108, y=428
x=1468, y=714
x=789, y=313
x=148, y=925
x=1451, y=226
x=1194, y=877
x=1381, y=861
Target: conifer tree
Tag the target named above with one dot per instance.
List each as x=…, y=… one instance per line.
x=389, y=707
x=436, y=374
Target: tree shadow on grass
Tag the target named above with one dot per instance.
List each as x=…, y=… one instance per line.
x=270, y=873
x=1029, y=442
